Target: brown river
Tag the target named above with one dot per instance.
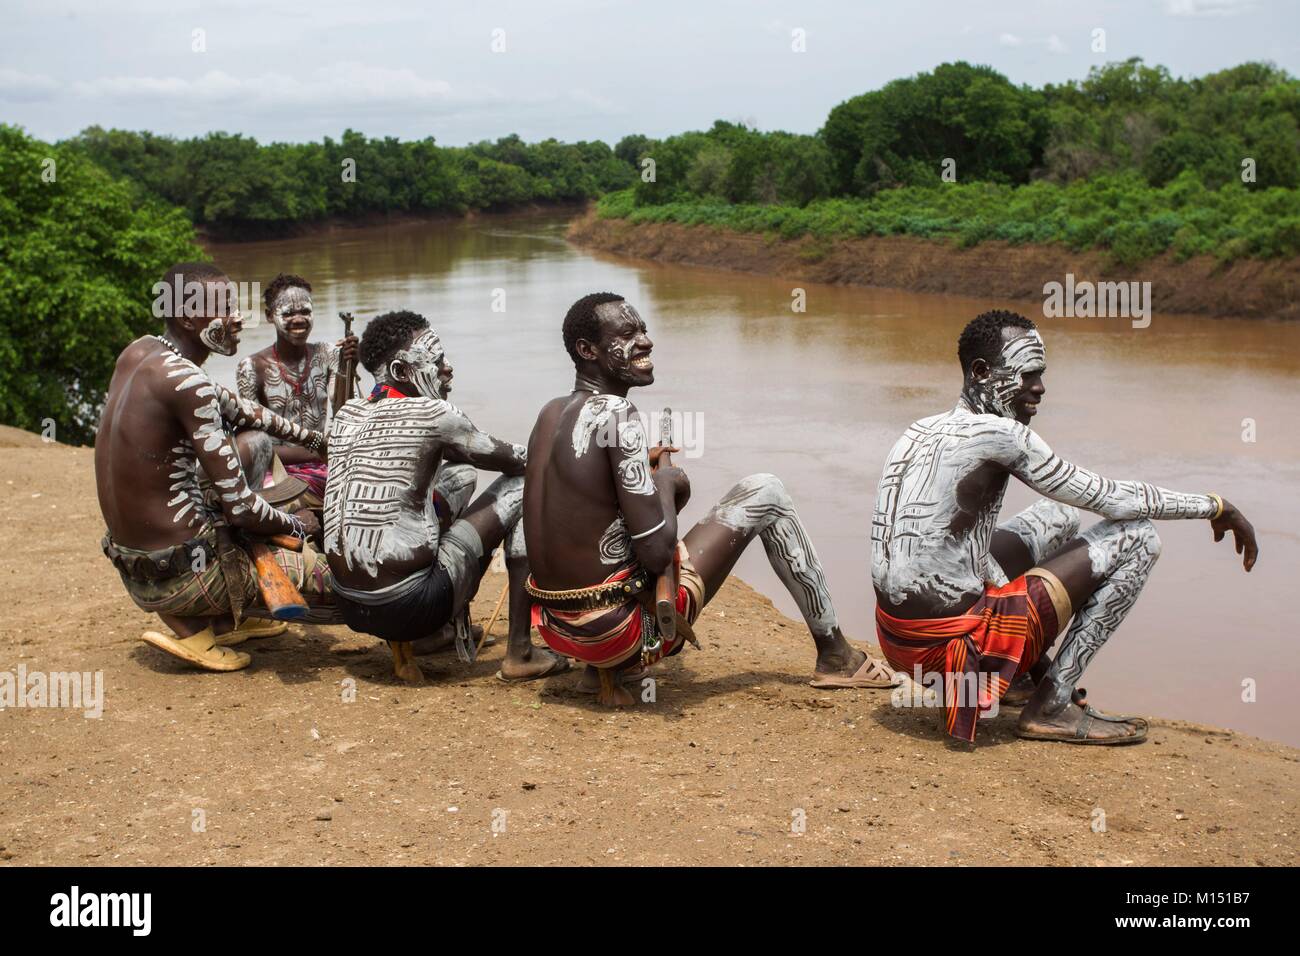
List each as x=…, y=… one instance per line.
x=818, y=398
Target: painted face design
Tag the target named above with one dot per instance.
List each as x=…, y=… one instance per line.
x=424, y=362
x=291, y=313
x=626, y=353
x=222, y=335
x=1004, y=388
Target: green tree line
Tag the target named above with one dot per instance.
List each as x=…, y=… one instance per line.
x=234, y=186
x=1130, y=159
x=1123, y=118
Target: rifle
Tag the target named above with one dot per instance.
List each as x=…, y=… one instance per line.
x=666, y=583
x=346, y=381
x=282, y=599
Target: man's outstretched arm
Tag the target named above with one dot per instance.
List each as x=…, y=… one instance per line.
x=1033, y=462
x=463, y=442
x=196, y=405
x=241, y=413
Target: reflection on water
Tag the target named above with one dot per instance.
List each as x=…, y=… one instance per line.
x=818, y=398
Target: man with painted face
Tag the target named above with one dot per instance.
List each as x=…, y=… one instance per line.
x=398, y=574
x=294, y=377
x=601, y=522
x=979, y=603
x=174, y=480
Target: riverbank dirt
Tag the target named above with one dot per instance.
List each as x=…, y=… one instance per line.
x=1253, y=288
x=342, y=225
x=271, y=766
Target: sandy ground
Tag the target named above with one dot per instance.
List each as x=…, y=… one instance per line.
x=1251, y=288
x=738, y=761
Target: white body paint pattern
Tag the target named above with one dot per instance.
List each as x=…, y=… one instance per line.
x=615, y=543
x=309, y=407
x=374, y=510
x=1044, y=528
x=424, y=359
x=1122, y=554
x=760, y=505
x=914, y=550
x=634, y=466
x=1021, y=356
x=455, y=484
x=593, y=417
x=216, y=412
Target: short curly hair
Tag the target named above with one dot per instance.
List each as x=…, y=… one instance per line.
x=279, y=284
x=386, y=335
x=581, y=323
x=982, y=337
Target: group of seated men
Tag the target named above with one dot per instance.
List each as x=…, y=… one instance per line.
x=387, y=537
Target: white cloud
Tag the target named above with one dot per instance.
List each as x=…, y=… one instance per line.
x=346, y=84
x=20, y=87
x=1054, y=45
x=1009, y=39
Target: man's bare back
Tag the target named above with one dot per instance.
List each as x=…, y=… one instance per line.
x=162, y=419
x=579, y=513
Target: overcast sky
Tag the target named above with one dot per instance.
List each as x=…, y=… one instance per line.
x=573, y=69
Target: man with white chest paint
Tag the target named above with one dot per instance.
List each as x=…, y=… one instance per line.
x=980, y=603
x=400, y=572
x=294, y=377
x=601, y=523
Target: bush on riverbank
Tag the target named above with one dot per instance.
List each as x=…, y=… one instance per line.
x=1117, y=213
x=79, y=253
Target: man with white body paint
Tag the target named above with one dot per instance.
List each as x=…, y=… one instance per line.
x=959, y=594
x=294, y=377
x=174, y=481
x=398, y=575
x=601, y=520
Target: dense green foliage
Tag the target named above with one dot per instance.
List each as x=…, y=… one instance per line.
x=1118, y=212
x=1130, y=159
x=901, y=133
x=233, y=185
x=78, y=257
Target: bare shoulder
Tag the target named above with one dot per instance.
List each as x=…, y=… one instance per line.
x=600, y=415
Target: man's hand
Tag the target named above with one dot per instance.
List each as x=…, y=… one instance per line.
x=1243, y=533
x=658, y=450
x=310, y=523
x=676, y=479
x=347, y=346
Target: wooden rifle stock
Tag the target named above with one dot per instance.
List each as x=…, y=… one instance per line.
x=346, y=380
x=282, y=599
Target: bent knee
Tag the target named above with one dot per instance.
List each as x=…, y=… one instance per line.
x=507, y=498
x=516, y=547
x=1068, y=519
x=767, y=488
x=1143, y=536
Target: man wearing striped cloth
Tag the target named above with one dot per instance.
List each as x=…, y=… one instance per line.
x=979, y=603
